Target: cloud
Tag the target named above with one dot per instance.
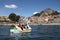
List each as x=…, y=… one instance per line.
x=58, y=11
x=35, y=12
x=11, y=6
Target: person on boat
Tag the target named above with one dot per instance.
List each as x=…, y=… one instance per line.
x=20, y=25
x=26, y=27
x=23, y=26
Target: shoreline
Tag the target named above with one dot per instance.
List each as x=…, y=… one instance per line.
x=34, y=24
x=47, y=24
x=9, y=24
x=51, y=24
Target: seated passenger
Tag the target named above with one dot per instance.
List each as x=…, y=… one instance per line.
x=20, y=26
x=23, y=26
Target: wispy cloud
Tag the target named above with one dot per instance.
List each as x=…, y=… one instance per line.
x=35, y=12
x=11, y=6
x=58, y=11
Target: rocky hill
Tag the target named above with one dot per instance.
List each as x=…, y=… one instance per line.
x=48, y=16
x=47, y=12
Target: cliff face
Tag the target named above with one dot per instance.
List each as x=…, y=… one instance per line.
x=47, y=16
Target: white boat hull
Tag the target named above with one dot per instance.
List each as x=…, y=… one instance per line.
x=20, y=30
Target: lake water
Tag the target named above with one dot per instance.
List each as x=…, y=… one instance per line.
x=39, y=32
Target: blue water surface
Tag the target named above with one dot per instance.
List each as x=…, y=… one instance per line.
x=39, y=32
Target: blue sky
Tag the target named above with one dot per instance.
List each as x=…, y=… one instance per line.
x=27, y=7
